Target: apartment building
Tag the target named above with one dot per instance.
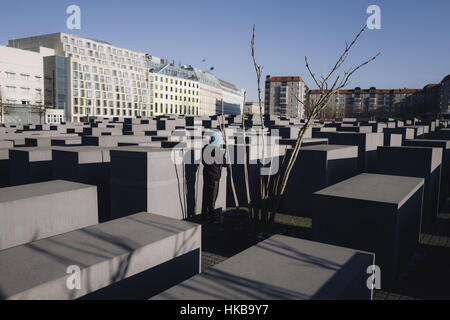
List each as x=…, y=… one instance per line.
x=368, y=102
x=445, y=95
x=282, y=95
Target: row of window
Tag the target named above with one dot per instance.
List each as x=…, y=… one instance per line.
x=172, y=81
x=180, y=98
x=23, y=102
x=23, y=76
x=105, y=63
x=138, y=95
x=102, y=56
x=23, y=90
x=108, y=103
x=101, y=48
x=107, y=72
x=166, y=88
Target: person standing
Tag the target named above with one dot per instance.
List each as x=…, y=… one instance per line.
x=213, y=159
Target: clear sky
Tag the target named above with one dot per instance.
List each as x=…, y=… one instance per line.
x=414, y=39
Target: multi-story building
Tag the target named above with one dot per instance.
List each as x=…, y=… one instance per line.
x=445, y=95
x=88, y=77
x=233, y=99
x=210, y=93
x=174, y=90
x=283, y=94
x=102, y=79
x=368, y=102
x=22, y=75
x=253, y=108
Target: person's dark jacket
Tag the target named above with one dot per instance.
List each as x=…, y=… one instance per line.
x=212, y=171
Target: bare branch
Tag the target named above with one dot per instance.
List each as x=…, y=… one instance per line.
x=311, y=73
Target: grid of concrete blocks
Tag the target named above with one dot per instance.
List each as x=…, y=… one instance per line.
x=100, y=209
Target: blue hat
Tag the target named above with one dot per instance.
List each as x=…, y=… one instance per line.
x=216, y=139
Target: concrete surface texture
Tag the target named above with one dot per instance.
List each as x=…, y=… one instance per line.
x=445, y=170
x=316, y=168
x=105, y=253
x=89, y=165
x=376, y=213
x=41, y=210
x=146, y=178
x=415, y=162
x=30, y=165
x=281, y=268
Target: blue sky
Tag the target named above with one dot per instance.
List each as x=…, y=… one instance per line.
x=414, y=39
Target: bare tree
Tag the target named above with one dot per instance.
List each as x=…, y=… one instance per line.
x=1, y=106
x=328, y=86
x=230, y=167
x=247, y=186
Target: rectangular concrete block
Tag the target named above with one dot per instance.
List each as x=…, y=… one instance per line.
x=367, y=147
x=4, y=168
x=30, y=165
x=88, y=165
x=6, y=144
x=445, y=169
x=316, y=168
x=36, y=211
x=112, y=141
x=407, y=133
x=418, y=162
x=372, y=212
x=143, y=252
x=282, y=268
x=146, y=179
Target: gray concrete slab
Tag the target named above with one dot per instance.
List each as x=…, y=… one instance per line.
x=445, y=170
x=36, y=211
x=376, y=213
x=6, y=144
x=146, y=179
x=107, y=254
x=89, y=165
x=422, y=162
x=317, y=167
x=4, y=168
x=30, y=165
x=281, y=268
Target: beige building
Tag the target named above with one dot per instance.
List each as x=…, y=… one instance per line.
x=281, y=96
x=253, y=108
x=22, y=76
x=87, y=78
x=174, y=95
x=210, y=93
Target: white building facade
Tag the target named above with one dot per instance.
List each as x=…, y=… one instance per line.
x=22, y=76
x=89, y=78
